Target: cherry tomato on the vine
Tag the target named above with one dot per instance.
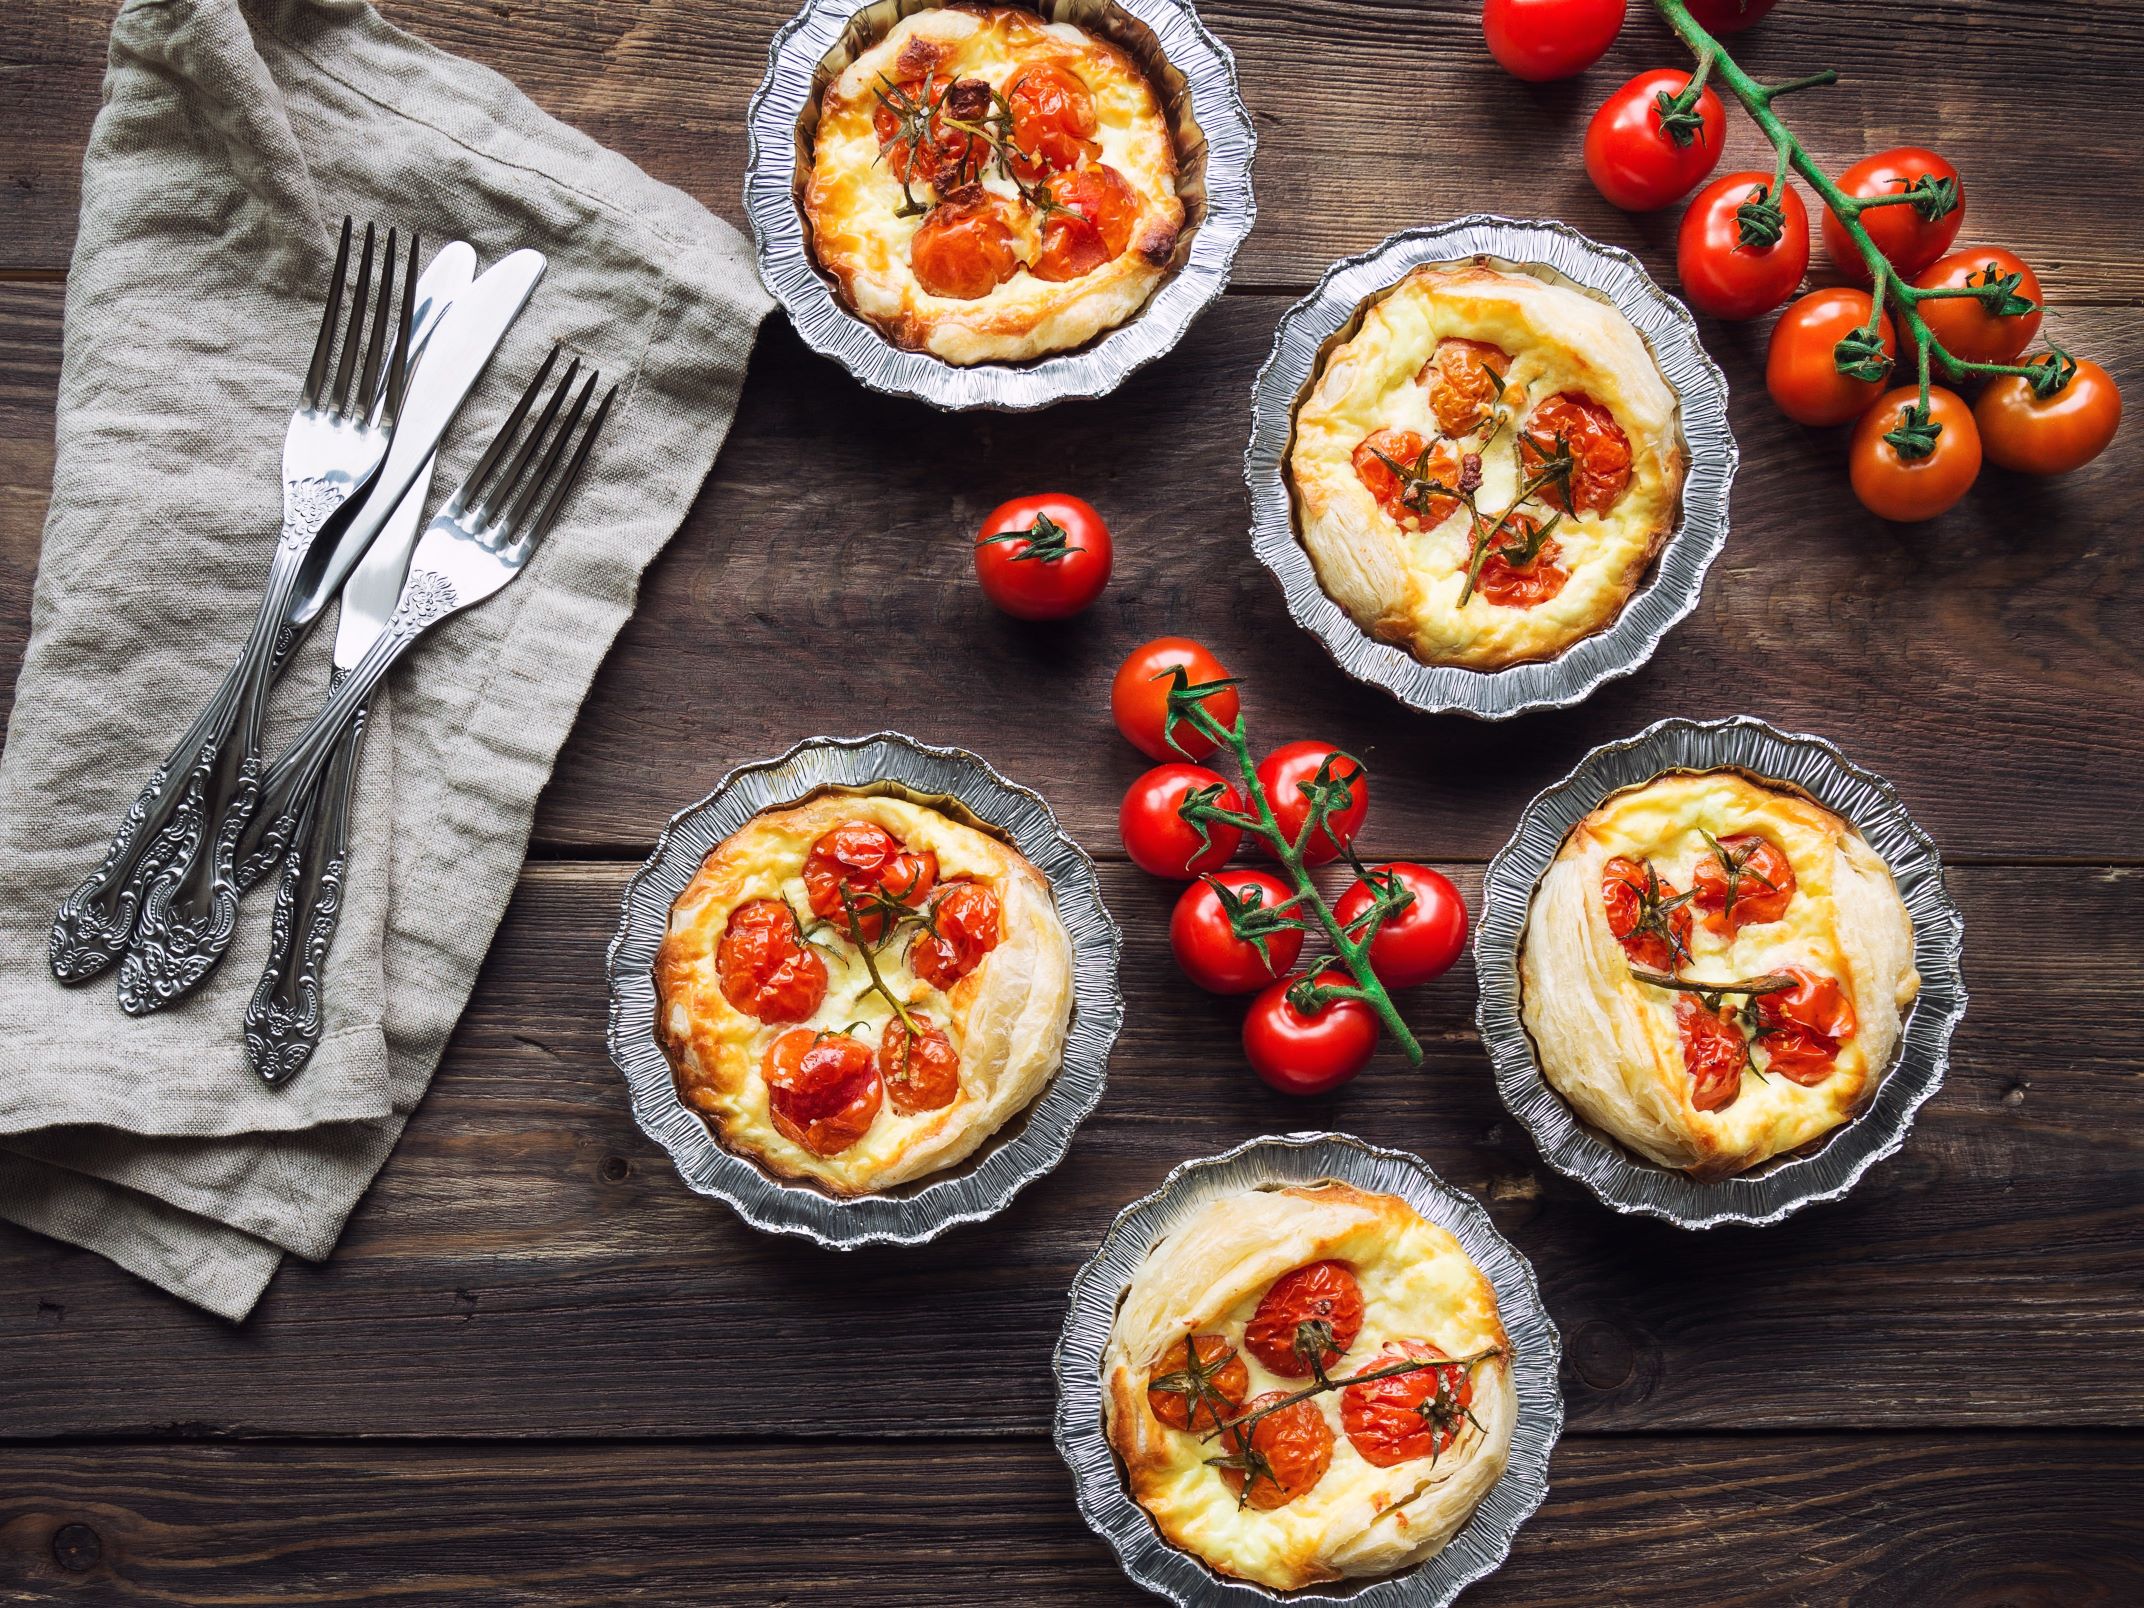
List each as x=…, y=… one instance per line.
x=1203, y=937
x=2054, y=436
x=1289, y=769
x=1159, y=840
x=1420, y=942
x=1539, y=40
x=1139, y=697
x=1741, y=250
x=1909, y=239
x=1728, y=16
x=1894, y=486
x=1640, y=162
x=1300, y=1053
x=1043, y=557
x=1977, y=330
x=1801, y=367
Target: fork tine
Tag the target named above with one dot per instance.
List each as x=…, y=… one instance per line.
x=398, y=362
x=517, y=509
x=547, y=513
x=348, y=359
x=328, y=320
x=473, y=482
x=369, y=380
x=509, y=482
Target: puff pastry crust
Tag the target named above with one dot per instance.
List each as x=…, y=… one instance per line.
x=1006, y=1018
x=1359, y=1518
x=1615, y=1047
x=853, y=199
x=1404, y=585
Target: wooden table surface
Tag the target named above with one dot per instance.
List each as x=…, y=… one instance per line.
x=538, y=1370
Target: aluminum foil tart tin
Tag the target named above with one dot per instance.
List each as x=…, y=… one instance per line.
x=1304, y=1158
x=1193, y=73
x=1558, y=253
x=1023, y=1150
x=1828, y=1167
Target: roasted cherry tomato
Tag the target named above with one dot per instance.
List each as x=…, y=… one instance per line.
x=823, y=1089
x=1713, y=1053
x=1969, y=327
x=1139, y=698
x=966, y=247
x=1521, y=569
x=1599, y=451
x=859, y=874
x=1801, y=366
x=1894, y=486
x=1727, y=16
x=1646, y=915
x=913, y=136
x=1409, y=1415
x=1903, y=232
x=1800, y=1029
x=1737, y=255
x=1203, y=937
x=1053, y=120
x=2051, y=437
x=1293, y=767
x=1745, y=882
x=1043, y=557
x=1540, y=40
x=1089, y=223
x=1158, y=838
x=1465, y=381
x=1197, y=1399
x=767, y=969
x=1408, y=492
x=1308, y=1054
x=1318, y=1303
x=1635, y=159
x=960, y=927
x=1419, y=942
x=922, y=1070
x=1289, y=1451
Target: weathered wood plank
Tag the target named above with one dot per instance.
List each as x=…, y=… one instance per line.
x=2020, y=1521
x=530, y=1265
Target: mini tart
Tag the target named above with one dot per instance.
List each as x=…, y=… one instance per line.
x=1403, y=584
x=1006, y=1018
x=1208, y=1279
x=853, y=200
x=1615, y=1047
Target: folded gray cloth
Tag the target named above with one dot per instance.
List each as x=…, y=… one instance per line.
x=232, y=140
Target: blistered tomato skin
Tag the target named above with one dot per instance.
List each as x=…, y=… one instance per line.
x=1406, y=1416
x=1410, y=504
x=1090, y=223
x=1294, y=1444
x=1324, y=1292
x=823, y=1089
x=1598, y=447
x=859, y=868
x=1197, y=1405
x=964, y=249
x=766, y=968
x=921, y=1070
x=961, y=926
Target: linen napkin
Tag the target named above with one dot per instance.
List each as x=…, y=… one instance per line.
x=234, y=135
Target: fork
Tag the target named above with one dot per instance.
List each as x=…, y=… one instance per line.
x=329, y=451
x=477, y=543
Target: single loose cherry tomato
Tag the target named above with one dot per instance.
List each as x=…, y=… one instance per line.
x=1197, y=1399
x=966, y=248
x=1043, y=557
x=1713, y=1053
x=1728, y=16
x=859, y=875
x=1541, y=40
x=1398, y=1419
x=1053, y=120
x=1203, y=937
x=1977, y=330
x=1318, y=1304
x=767, y=969
x=1299, y=1053
x=1139, y=698
x=1419, y=942
x=1092, y=210
x=1741, y=250
x=1569, y=422
x=922, y=1070
x=960, y=927
x=1465, y=381
x=1894, y=486
x=1288, y=1452
x=1640, y=161
x=1801, y=366
x=2052, y=436
x=1646, y=915
x=823, y=1089
x=1290, y=769
x=1759, y=889
x=1902, y=231
x=1156, y=835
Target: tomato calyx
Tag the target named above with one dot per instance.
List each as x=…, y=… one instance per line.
x=1679, y=113
x=1254, y=921
x=1185, y=696
x=1197, y=1382
x=2051, y=372
x=1861, y=354
x=1047, y=541
x=1760, y=221
x=1915, y=435
x=1933, y=196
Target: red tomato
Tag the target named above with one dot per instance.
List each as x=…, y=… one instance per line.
x=1158, y=838
x=1646, y=915
x=959, y=929
x=1894, y=486
x=1801, y=1028
x=1713, y=1051
x=1052, y=120
x=1801, y=366
x=910, y=121
x=822, y=1089
x=1289, y=769
x=1418, y=943
x=767, y=969
x=1197, y=1400
x=1093, y=210
x=859, y=875
x=1727, y=269
x=1540, y=40
x=1204, y=940
x=1634, y=158
x=965, y=249
x=1299, y=1054
x=1967, y=327
x=1520, y=585
x=922, y=1071
x=1760, y=890
x=1289, y=1451
x=1600, y=452
x=2051, y=437
x=1410, y=1415
x=1465, y=382
x=1043, y=557
x=1907, y=238
x=1408, y=493
x=1139, y=698
x=1727, y=16
x=1316, y=1293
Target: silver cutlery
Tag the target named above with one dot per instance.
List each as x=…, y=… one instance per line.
x=477, y=543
